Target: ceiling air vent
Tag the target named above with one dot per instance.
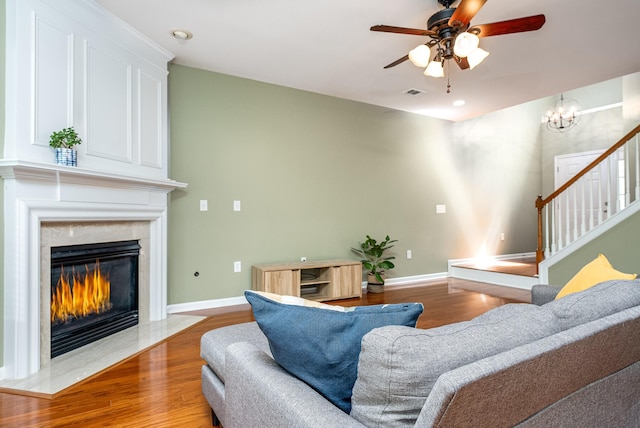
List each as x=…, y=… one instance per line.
x=414, y=92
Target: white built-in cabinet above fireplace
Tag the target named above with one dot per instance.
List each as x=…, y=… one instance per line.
x=71, y=63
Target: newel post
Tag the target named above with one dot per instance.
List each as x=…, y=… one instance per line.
x=539, y=250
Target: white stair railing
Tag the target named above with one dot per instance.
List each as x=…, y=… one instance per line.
x=602, y=189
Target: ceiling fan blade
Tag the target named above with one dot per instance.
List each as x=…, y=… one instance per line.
x=398, y=61
x=518, y=25
x=465, y=12
x=402, y=30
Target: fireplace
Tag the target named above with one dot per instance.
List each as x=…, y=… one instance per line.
x=94, y=292
x=48, y=206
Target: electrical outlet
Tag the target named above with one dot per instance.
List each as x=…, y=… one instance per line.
x=237, y=267
x=409, y=254
x=502, y=236
x=236, y=205
x=204, y=205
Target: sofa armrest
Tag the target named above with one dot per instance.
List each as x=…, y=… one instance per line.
x=543, y=293
x=258, y=393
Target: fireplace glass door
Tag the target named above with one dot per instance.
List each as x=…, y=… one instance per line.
x=94, y=292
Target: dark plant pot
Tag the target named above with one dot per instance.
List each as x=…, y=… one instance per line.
x=66, y=157
x=375, y=288
x=373, y=285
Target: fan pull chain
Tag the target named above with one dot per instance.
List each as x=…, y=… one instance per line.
x=448, y=84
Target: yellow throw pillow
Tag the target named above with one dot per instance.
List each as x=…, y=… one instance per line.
x=593, y=273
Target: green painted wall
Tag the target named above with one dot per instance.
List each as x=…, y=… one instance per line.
x=315, y=174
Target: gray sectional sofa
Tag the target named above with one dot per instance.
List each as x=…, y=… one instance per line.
x=571, y=362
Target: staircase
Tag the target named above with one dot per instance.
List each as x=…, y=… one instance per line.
x=602, y=195
x=597, y=198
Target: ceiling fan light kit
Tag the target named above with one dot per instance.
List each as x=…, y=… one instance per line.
x=420, y=56
x=465, y=44
x=452, y=36
x=434, y=69
x=476, y=57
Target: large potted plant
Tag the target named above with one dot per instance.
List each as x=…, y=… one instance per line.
x=374, y=261
x=64, y=141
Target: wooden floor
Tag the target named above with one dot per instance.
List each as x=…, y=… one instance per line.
x=161, y=387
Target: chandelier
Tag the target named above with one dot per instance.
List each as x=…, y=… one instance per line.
x=564, y=115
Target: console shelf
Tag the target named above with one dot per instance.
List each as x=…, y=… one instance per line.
x=321, y=280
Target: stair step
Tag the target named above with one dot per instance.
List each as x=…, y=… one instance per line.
x=498, y=278
x=518, y=273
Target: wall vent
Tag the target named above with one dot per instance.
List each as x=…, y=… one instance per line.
x=415, y=92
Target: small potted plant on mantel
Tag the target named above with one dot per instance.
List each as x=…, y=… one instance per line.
x=373, y=259
x=64, y=141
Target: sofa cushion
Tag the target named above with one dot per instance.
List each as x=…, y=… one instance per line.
x=597, y=302
x=321, y=346
x=398, y=366
x=594, y=272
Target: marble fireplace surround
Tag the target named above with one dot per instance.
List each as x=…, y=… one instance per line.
x=49, y=205
x=54, y=234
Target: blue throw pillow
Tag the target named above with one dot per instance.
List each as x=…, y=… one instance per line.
x=321, y=346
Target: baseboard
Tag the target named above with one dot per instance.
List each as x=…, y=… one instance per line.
x=206, y=304
x=416, y=279
x=240, y=300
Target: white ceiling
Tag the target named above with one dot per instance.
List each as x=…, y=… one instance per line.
x=325, y=46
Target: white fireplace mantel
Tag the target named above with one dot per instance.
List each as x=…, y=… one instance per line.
x=36, y=193
x=23, y=170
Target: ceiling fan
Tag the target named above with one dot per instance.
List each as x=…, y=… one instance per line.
x=451, y=35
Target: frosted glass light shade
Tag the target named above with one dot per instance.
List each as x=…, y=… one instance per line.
x=465, y=44
x=476, y=57
x=420, y=56
x=434, y=69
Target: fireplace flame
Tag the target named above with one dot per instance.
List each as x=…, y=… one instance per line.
x=78, y=295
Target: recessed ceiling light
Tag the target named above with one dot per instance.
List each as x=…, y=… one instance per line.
x=181, y=34
x=458, y=103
